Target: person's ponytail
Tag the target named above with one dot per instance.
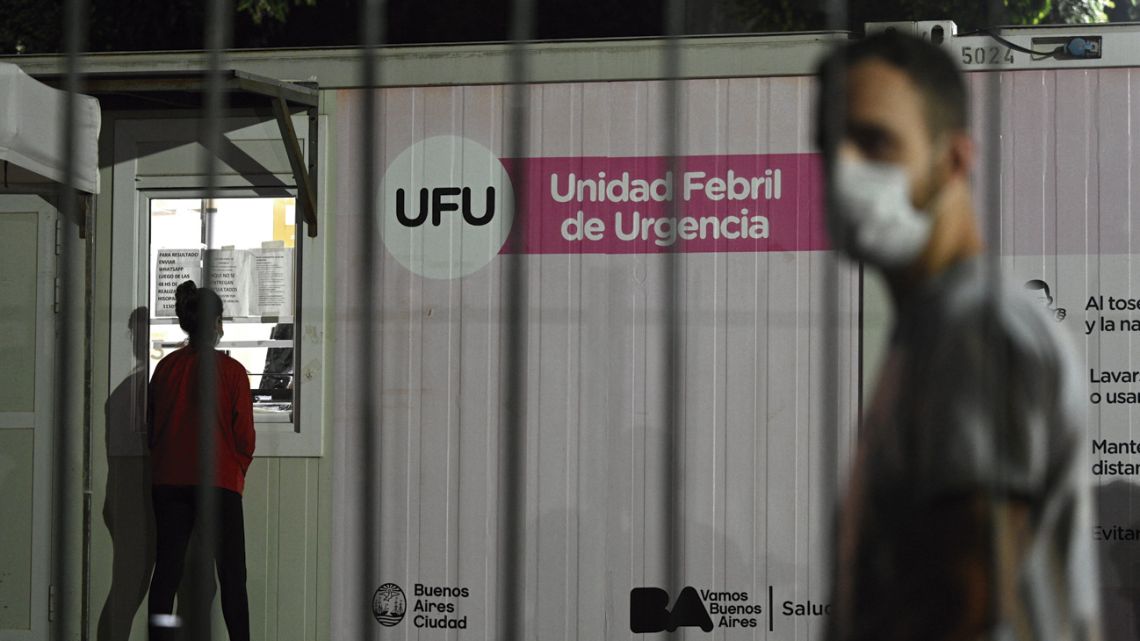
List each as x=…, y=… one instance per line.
x=198, y=310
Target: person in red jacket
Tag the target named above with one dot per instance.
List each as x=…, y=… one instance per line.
x=173, y=435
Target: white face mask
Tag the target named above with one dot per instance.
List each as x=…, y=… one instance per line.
x=871, y=215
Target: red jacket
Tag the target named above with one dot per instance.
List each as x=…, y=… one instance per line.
x=172, y=430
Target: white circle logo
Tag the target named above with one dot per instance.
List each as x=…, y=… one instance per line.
x=446, y=207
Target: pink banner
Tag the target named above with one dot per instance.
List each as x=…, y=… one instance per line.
x=641, y=205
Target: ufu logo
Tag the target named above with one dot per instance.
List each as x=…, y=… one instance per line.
x=649, y=611
x=442, y=202
x=446, y=207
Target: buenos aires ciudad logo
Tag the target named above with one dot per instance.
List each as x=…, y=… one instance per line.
x=389, y=604
x=446, y=205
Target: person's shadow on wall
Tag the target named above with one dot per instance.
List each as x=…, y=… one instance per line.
x=127, y=510
x=1118, y=516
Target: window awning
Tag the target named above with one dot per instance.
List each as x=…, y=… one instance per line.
x=186, y=90
x=31, y=129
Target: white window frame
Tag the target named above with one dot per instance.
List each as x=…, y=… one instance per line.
x=130, y=247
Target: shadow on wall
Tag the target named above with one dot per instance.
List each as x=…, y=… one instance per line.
x=1118, y=507
x=127, y=510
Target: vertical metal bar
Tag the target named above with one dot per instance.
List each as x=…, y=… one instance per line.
x=831, y=425
x=75, y=29
x=991, y=141
x=671, y=480
x=313, y=114
x=833, y=123
x=88, y=370
x=512, y=480
x=369, y=464
x=299, y=240
x=217, y=39
x=991, y=137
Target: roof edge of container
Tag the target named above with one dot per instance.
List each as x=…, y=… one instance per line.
x=600, y=60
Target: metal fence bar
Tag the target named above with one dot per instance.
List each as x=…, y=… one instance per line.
x=672, y=480
x=65, y=419
x=999, y=394
x=511, y=611
x=370, y=277
x=217, y=38
x=991, y=141
x=831, y=425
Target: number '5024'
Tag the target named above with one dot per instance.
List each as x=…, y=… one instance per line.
x=986, y=55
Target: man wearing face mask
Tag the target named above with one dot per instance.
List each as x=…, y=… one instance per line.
x=967, y=514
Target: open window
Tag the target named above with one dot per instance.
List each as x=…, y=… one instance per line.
x=251, y=237
x=245, y=250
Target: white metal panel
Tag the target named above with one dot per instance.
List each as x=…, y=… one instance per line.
x=19, y=316
x=27, y=227
x=750, y=427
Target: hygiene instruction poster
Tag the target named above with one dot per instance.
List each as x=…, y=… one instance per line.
x=1068, y=233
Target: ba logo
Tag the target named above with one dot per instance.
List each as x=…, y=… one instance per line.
x=649, y=611
x=389, y=604
x=446, y=206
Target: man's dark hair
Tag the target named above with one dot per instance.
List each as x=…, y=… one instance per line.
x=928, y=66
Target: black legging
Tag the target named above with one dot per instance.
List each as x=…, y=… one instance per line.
x=174, y=512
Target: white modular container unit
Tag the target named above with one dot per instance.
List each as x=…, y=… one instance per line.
x=746, y=503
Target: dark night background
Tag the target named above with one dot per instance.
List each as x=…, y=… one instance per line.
x=34, y=26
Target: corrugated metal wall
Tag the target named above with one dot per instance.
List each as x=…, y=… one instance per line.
x=750, y=427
